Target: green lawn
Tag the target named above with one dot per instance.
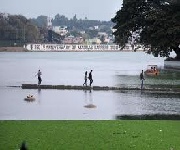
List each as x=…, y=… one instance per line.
x=104, y=135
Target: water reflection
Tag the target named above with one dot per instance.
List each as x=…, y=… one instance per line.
x=39, y=91
x=88, y=99
x=39, y=95
x=145, y=102
x=74, y=104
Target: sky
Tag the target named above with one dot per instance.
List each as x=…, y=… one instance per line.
x=92, y=9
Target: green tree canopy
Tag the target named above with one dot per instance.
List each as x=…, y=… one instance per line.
x=17, y=29
x=154, y=23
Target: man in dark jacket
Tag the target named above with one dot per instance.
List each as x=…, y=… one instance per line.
x=142, y=79
x=90, y=77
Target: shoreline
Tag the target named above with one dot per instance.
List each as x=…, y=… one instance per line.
x=22, y=49
x=13, y=49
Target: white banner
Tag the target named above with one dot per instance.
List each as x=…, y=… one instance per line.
x=72, y=47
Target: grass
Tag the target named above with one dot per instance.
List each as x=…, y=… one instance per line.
x=87, y=135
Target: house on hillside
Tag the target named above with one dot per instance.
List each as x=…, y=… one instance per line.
x=61, y=30
x=73, y=40
x=93, y=41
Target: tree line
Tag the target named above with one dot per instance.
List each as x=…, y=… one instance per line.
x=73, y=23
x=17, y=29
x=75, y=26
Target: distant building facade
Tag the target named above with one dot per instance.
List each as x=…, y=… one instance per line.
x=61, y=30
x=73, y=40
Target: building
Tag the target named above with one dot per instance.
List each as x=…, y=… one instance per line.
x=93, y=41
x=73, y=40
x=61, y=30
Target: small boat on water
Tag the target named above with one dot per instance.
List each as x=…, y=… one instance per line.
x=29, y=98
x=152, y=70
x=90, y=106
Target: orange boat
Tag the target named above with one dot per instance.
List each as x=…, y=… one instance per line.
x=152, y=70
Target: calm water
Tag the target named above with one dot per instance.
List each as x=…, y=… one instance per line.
x=109, y=69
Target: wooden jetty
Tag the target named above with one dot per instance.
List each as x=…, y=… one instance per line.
x=104, y=88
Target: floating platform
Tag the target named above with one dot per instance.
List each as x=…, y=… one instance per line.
x=104, y=88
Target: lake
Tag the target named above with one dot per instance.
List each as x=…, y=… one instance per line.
x=67, y=68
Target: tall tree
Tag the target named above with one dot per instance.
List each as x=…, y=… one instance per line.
x=155, y=22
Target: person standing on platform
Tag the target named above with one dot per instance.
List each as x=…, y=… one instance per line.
x=142, y=79
x=90, y=77
x=39, y=77
x=85, y=79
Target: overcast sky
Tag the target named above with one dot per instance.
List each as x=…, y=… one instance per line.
x=92, y=9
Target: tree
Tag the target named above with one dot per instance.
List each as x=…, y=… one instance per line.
x=60, y=20
x=32, y=33
x=92, y=33
x=17, y=29
x=102, y=38
x=74, y=18
x=41, y=21
x=156, y=22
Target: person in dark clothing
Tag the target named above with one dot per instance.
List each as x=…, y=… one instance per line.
x=90, y=77
x=23, y=146
x=39, y=77
x=85, y=79
x=142, y=79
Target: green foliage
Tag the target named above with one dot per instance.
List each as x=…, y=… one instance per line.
x=17, y=29
x=40, y=21
x=157, y=22
x=102, y=38
x=79, y=24
x=92, y=33
x=128, y=19
x=115, y=134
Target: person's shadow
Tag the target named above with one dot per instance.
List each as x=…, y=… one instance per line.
x=89, y=100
